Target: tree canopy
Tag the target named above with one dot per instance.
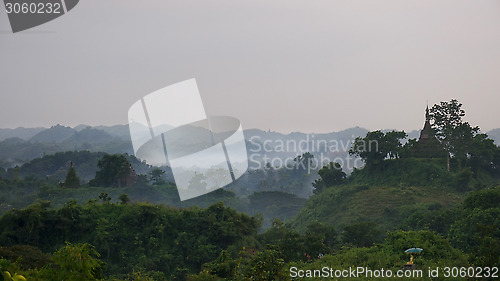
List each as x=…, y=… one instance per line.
x=330, y=175
x=72, y=180
x=377, y=146
x=114, y=169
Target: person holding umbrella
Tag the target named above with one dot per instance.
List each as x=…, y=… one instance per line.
x=412, y=251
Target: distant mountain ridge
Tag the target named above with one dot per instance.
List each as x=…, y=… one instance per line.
x=90, y=135
x=20, y=145
x=122, y=131
x=22, y=133
x=55, y=134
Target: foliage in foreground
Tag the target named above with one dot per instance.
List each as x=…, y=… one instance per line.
x=147, y=242
x=133, y=237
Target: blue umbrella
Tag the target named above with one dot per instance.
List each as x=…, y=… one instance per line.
x=414, y=250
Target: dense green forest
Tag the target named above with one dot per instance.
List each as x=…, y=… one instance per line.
x=140, y=241
x=112, y=217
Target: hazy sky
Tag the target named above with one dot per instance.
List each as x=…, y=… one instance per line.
x=311, y=66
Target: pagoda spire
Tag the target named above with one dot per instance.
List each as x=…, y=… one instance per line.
x=426, y=132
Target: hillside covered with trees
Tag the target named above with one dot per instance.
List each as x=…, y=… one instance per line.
x=97, y=216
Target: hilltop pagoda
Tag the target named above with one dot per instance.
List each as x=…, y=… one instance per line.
x=427, y=146
x=427, y=132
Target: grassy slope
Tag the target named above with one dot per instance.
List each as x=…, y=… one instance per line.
x=387, y=206
x=385, y=196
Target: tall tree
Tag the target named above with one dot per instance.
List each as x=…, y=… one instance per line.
x=484, y=153
x=455, y=134
x=157, y=176
x=114, y=169
x=72, y=180
x=304, y=161
x=330, y=175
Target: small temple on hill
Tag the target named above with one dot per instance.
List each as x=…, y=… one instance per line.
x=427, y=132
x=427, y=146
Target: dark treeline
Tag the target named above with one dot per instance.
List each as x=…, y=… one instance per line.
x=130, y=237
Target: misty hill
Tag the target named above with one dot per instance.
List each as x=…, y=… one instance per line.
x=55, y=134
x=276, y=148
x=297, y=136
x=81, y=127
x=89, y=135
x=263, y=146
x=120, y=131
x=40, y=178
x=22, y=133
x=55, y=166
x=13, y=141
x=116, y=139
x=15, y=151
x=97, y=140
x=495, y=135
